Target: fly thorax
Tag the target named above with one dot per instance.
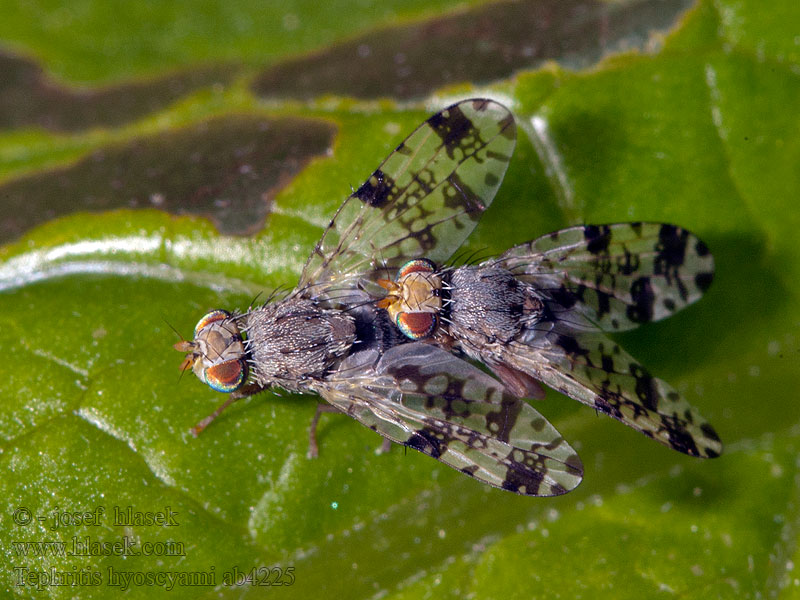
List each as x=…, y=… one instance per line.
x=533, y=309
x=295, y=340
x=486, y=305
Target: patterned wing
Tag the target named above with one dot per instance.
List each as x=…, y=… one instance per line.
x=617, y=276
x=425, y=398
x=593, y=369
x=424, y=199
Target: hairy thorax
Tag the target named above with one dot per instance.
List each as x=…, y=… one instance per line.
x=490, y=307
x=293, y=342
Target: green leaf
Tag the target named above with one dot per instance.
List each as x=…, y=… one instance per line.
x=111, y=235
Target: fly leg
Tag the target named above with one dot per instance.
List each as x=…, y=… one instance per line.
x=244, y=392
x=313, y=449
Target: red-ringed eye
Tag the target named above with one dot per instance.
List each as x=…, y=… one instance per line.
x=418, y=325
x=226, y=377
x=417, y=265
x=212, y=317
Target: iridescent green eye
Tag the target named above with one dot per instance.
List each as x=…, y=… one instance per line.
x=415, y=266
x=217, y=354
x=416, y=326
x=227, y=376
x=212, y=317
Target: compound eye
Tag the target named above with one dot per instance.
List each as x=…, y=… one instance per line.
x=415, y=266
x=208, y=319
x=417, y=325
x=227, y=376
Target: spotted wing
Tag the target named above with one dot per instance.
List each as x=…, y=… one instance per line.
x=593, y=369
x=424, y=199
x=427, y=399
x=616, y=276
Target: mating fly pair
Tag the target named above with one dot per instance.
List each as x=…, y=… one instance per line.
x=533, y=314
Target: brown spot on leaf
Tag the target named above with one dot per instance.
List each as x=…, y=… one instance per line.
x=482, y=44
x=30, y=99
x=227, y=170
